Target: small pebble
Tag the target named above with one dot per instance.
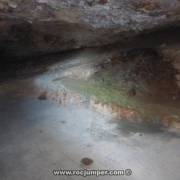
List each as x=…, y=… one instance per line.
x=86, y=161
x=43, y=96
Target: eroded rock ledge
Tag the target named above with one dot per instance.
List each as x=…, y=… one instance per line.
x=41, y=26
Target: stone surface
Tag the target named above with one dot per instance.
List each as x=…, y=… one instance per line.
x=29, y=26
x=38, y=137
x=172, y=54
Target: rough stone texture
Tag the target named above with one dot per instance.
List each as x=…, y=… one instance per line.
x=172, y=53
x=29, y=26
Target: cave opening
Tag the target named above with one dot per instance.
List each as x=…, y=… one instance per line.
x=89, y=87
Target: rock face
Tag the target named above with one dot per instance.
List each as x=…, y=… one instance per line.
x=38, y=26
x=172, y=54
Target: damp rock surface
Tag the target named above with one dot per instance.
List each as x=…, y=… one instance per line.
x=62, y=130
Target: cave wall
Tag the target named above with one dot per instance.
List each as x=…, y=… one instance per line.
x=41, y=26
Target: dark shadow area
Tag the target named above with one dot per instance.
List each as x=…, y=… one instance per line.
x=165, y=35
x=11, y=66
